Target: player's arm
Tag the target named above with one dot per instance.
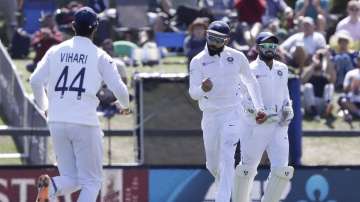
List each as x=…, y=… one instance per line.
x=38, y=81
x=251, y=84
x=287, y=113
x=196, y=80
x=112, y=79
x=285, y=87
x=253, y=88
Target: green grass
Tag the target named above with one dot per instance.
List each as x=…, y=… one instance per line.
x=331, y=151
x=23, y=73
x=1, y=121
x=338, y=124
x=8, y=146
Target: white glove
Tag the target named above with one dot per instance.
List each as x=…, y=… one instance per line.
x=287, y=114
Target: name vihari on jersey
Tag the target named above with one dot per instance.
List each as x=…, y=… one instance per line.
x=74, y=57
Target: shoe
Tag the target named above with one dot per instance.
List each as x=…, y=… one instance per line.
x=330, y=119
x=43, y=188
x=347, y=116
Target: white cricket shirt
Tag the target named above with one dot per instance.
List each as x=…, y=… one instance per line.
x=226, y=72
x=350, y=76
x=311, y=43
x=68, y=77
x=273, y=83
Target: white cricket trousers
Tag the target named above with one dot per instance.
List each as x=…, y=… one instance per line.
x=221, y=130
x=79, y=152
x=269, y=137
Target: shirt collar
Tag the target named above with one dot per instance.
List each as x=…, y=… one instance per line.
x=208, y=55
x=82, y=39
x=260, y=61
x=264, y=65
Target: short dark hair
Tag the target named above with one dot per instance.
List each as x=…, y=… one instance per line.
x=85, y=21
x=82, y=31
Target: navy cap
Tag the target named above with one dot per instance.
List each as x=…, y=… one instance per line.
x=219, y=27
x=85, y=18
x=263, y=36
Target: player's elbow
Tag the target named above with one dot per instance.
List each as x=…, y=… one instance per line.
x=123, y=97
x=193, y=94
x=35, y=83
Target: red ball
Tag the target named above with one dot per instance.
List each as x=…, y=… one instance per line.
x=260, y=116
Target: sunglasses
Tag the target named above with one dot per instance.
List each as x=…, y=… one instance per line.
x=268, y=45
x=215, y=40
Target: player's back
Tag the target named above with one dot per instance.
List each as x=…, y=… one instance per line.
x=74, y=80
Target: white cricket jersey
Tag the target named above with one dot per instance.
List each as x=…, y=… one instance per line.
x=273, y=83
x=350, y=76
x=68, y=77
x=311, y=43
x=226, y=72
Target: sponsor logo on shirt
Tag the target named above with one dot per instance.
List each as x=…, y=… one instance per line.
x=279, y=72
x=207, y=63
x=258, y=76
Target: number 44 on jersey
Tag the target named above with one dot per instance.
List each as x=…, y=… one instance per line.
x=61, y=84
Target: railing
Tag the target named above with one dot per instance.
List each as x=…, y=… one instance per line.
x=19, y=111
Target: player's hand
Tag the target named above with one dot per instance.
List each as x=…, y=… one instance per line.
x=286, y=116
x=120, y=109
x=261, y=117
x=206, y=85
x=125, y=111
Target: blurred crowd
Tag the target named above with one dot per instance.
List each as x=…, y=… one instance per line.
x=319, y=39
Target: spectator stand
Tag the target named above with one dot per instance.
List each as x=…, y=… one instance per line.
x=138, y=21
x=170, y=40
x=126, y=50
x=170, y=45
x=137, y=9
x=32, y=12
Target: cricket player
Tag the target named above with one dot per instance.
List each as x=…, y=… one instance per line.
x=65, y=84
x=215, y=75
x=271, y=136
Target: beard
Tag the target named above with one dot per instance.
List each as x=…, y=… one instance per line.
x=213, y=50
x=267, y=55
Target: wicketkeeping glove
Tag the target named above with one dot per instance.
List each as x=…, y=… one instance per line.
x=287, y=114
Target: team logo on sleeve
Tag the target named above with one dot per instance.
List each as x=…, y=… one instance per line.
x=230, y=59
x=279, y=72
